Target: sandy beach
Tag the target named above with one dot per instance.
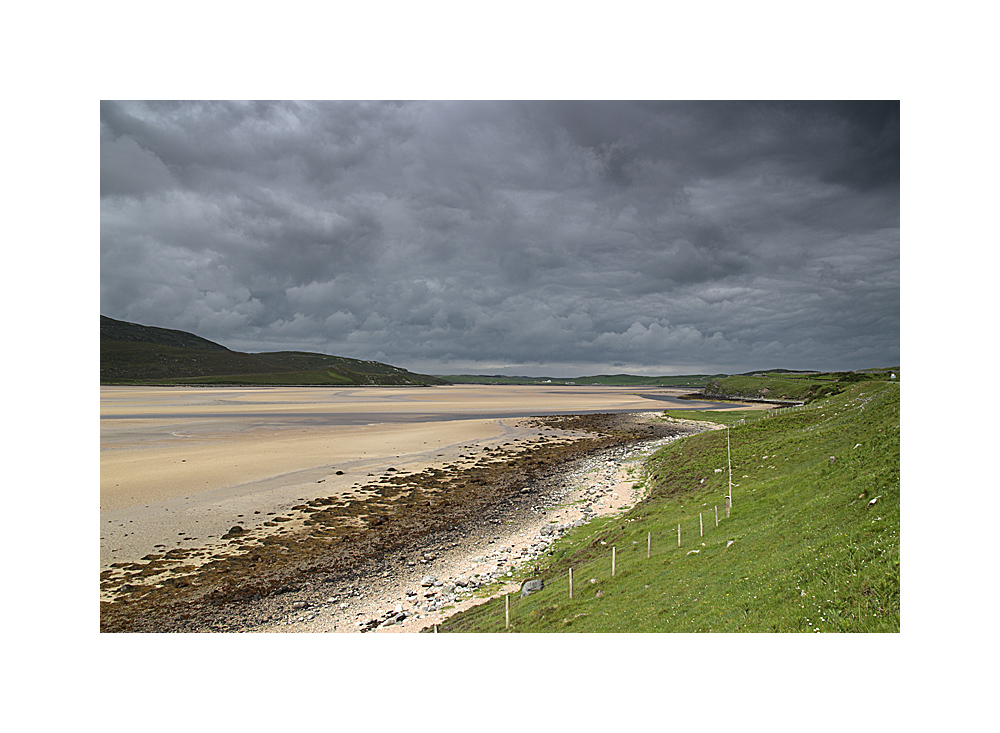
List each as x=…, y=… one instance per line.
x=182, y=468
x=442, y=578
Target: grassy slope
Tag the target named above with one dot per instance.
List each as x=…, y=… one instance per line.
x=783, y=385
x=808, y=553
x=115, y=330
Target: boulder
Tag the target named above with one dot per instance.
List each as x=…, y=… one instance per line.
x=531, y=586
x=396, y=618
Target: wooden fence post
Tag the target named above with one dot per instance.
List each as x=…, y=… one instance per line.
x=649, y=544
x=701, y=524
x=729, y=459
x=506, y=599
x=729, y=505
x=678, y=535
x=571, y=584
x=612, y=562
x=716, y=515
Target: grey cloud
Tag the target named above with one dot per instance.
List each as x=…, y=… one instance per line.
x=545, y=234
x=127, y=168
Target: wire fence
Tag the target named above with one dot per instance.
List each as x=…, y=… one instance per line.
x=686, y=539
x=776, y=411
x=578, y=582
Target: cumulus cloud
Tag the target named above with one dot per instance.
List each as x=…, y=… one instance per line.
x=532, y=237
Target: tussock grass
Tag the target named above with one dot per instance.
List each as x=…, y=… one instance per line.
x=804, y=549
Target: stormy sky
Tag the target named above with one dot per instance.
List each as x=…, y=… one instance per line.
x=543, y=238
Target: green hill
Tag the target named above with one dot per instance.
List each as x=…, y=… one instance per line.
x=136, y=354
x=780, y=384
x=812, y=543
x=123, y=331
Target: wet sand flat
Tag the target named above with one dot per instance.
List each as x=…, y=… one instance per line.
x=166, y=443
x=180, y=467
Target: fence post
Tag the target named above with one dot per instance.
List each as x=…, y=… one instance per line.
x=701, y=524
x=716, y=515
x=571, y=584
x=729, y=460
x=729, y=505
x=612, y=562
x=506, y=599
x=678, y=535
x=649, y=544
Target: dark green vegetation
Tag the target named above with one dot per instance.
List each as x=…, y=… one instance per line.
x=123, y=331
x=134, y=354
x=812, y=543
x=798, y=386
x=695, y=381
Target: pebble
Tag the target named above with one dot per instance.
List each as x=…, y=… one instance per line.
x=441, y=592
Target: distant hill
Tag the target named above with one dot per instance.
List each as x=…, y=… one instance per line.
x=136, y=354
x=112, y=330
x=783, y=384
x=694, y=381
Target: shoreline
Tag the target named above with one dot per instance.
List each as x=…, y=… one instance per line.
x=296, y=467
x=180, y=468
x=332, y=553
x=453, y=579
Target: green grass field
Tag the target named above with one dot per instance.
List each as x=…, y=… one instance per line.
x=805, y=549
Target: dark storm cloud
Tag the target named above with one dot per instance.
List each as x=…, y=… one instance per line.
x=553, y=237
